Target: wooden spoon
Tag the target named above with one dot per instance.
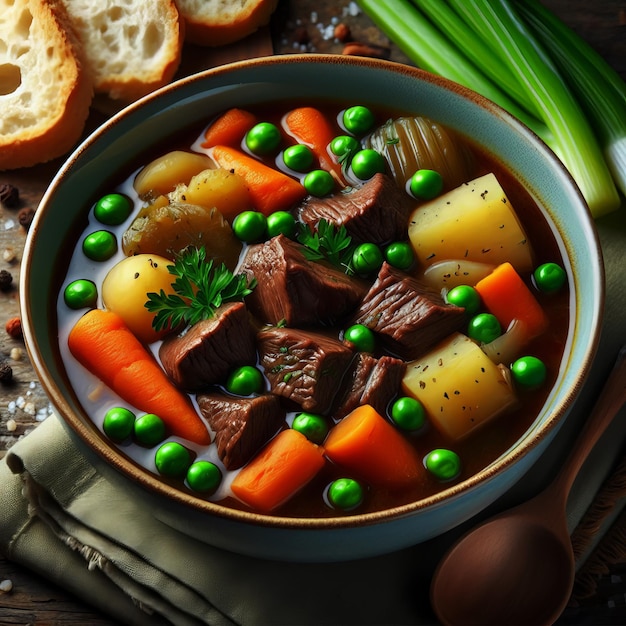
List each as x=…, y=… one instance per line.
x=518, y=567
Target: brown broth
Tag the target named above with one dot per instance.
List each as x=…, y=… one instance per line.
x=484, y=446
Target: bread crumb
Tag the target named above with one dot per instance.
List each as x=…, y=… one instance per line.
x=11, y=425
x=6, y=585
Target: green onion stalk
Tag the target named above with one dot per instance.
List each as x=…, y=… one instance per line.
x=490, y=45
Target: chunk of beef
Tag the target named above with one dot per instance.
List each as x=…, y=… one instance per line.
x=370, y=381
x=205, y=354
x=242, y=426
x=296, y=290
x=376, y=212
x=303, y=366
x=409, y=316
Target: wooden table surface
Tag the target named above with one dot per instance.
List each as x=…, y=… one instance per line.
x=301, y=25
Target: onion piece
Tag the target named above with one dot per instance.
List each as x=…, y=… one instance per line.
x=508, y=346
x=454, y=272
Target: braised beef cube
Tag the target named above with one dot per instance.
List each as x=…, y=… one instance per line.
x=409, y=316
x=370, y=381
x=205, y=354
x=294, y=289
x=242, y=426
x=302, y=366
x=376, y=212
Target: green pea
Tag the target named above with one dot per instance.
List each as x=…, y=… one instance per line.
x=550, y=277
x=367, y=258
x=281, y=223
x=263, y=138
x=112, y=209
x=362, y=337
x=299, y=158
x=426, y=184
x=245, y=381
x=172, y=459
x=466, y=297
x=345, y=494
x=343, y=145
x=358, y=119
x=366, y=163
x=250, y=226
x=408, y=413
x=319, y=183
x=80, y=293
x=443, y=464
x=484, y=328
x=400, y=254
x=118, y=423
x=204, y=476
x=529, y=371
x=100, y=245
x=149, y=430
x=313, y=427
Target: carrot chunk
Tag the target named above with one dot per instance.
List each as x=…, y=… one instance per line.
x=285, y=465
x=506, y=296
x=368, y=445
x=270, y=189
x=310, y=127
x=229, y=129
x=104, y=345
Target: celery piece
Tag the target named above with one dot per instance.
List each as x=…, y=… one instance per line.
x=500, y=26
x=430, y=50
x=598, y=87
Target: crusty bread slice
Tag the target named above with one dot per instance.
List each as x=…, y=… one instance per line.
x=45, y=92
x=220, y=22
x=132, y=46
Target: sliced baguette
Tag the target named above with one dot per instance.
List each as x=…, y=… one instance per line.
x=220, y=22
x=45, y=92
x=131, y=47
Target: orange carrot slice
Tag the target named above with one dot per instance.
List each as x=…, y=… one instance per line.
x=506, y=296
x=310, y=127
x=103, y=344
x=229, y=129
x=365, y=443
x=270, y=189
x=285, y=465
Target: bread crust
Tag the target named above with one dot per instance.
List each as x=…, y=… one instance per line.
x=35, y=135
x=221, y=28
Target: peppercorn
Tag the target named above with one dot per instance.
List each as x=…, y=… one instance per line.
x=9, y=195
x=6, y=280
x=25, y=217
x=14, y=327
x=6, y=372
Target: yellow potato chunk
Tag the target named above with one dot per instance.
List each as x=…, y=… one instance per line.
x=216, y=188
x=125, y=291
x=475, y=222
x=460, y=387
x=169, y=170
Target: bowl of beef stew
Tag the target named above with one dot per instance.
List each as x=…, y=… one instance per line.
x=313, y=307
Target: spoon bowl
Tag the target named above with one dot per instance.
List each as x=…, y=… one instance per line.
x=518, y=567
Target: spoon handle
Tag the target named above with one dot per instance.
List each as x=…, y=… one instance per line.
x=611, y=399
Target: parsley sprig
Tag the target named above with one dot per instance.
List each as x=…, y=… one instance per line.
x=328, y=242
x=200, y=290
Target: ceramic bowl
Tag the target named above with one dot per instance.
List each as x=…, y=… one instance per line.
x=113, y=151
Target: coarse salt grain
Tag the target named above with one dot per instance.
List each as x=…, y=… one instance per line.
x=29, y=408
x=9, y=224
x=6, y=585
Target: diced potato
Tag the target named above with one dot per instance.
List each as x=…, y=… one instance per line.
x=169, y=170
x=216, y=188
x=125, y=291
x=475, y=222
x=459, y=386
x=167, y=229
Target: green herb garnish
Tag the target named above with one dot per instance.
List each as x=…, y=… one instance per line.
x=328, y=242
x=200, y=290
